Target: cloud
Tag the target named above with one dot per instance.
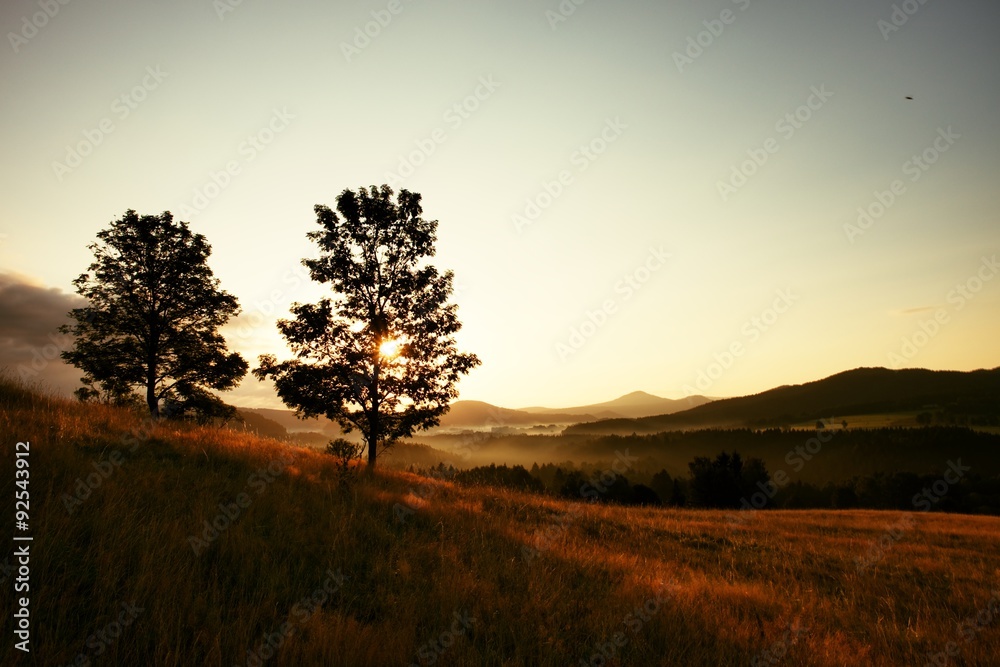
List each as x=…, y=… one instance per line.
x=30, y=342
x=914, y=311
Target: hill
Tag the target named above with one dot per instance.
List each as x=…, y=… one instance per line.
x=465, y=414
x=174, y=545
x=857, y=392
x=292, y=424
x=480, y=414
x=636, y=404
x=255, y=422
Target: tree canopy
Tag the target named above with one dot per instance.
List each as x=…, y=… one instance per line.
x=380, y=354
x=153, y=319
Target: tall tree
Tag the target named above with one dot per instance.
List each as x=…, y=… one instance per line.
x=380, y=355
x=153, y=317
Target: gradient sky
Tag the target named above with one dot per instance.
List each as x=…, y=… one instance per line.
x=271, y=89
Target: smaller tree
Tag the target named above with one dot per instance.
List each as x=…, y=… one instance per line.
x=345, y=453
x=153, y=319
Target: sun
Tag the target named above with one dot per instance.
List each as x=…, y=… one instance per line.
x=389, y=348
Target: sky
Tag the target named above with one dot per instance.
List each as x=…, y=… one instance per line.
x=686, y=197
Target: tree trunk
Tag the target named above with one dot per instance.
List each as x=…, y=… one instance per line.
x=374, y=425
x=372, y=445
x=152, y=401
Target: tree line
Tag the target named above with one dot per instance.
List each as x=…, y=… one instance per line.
x=728, y=481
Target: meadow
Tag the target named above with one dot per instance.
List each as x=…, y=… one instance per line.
x=172, y=544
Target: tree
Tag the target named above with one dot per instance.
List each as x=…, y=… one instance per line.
x=379, y=356
x=724, y=480
x=153, y=318
x=663, y=484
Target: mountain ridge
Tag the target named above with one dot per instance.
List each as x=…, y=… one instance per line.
x=865, y=390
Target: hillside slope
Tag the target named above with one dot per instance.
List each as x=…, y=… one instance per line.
x=174, y=545
x=855, y=392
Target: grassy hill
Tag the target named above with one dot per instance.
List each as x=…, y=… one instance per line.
x=397, y=569
x=862, y=391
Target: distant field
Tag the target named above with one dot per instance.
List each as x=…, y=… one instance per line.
x=906, y=419
x=887, y=420
x=406, y=570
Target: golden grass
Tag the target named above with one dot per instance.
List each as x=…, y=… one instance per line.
x=782, y=581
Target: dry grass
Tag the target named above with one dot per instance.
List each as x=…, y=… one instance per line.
x=782, y=581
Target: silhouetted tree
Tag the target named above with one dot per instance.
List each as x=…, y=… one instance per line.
x=572, y=484
x=677, y=497
x=662, y=484
x=753, y=475
x=722, y=481
x=153, y=318
x=643, y=495
x=380, y=356
x=843, y=497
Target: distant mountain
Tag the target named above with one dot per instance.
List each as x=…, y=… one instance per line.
x=636, y=404
x=292, y=424
x=856, y=392
x=470, y=414
x=257, y=423
x=479, y=414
